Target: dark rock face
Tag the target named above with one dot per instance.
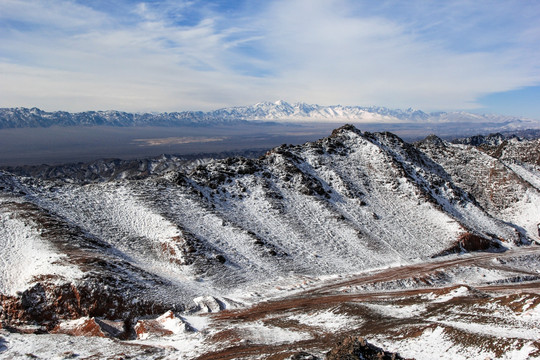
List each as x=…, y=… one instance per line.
x=357, y=348
x=103, y=170
x=471, y=242
x=351, y=348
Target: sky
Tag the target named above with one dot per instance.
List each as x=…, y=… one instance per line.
x=480, y=56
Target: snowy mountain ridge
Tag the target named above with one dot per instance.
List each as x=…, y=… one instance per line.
x=280, y=111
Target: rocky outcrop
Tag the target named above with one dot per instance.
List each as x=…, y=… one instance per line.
x=502, y=176
x=164, y=325
x=91, y=327
x=303, y=356
x=208, y=304
x=470, y=242
x=46, y=304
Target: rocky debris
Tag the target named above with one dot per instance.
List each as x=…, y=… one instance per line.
x=351, y=348
x=523, y=152
x=357, y=348
x=164, y=325
x=508, y=147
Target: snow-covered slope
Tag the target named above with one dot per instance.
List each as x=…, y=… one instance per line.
x=344, y=204
x=26, y=255
x=503, y=175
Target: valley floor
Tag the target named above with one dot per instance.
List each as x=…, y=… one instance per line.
x=468, y=306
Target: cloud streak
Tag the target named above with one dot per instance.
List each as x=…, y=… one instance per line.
x=166, y=56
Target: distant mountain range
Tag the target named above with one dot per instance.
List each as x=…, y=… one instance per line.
x=279, y=111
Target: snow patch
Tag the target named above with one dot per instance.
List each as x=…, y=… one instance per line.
x=260, y=333
x=457, y=292
x=395, y=311
x=494, y=330
x=327, y=320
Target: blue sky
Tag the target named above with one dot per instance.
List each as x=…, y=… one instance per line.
x=481, y=56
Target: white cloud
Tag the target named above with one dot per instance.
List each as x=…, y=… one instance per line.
x=355, y=60
x=61, y=55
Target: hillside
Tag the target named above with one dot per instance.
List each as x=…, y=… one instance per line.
x=121, y=246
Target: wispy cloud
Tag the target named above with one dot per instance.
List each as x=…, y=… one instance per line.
x=172, y=55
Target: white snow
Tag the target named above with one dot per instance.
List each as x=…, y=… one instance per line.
x=59, y=347
x=197, y=322
x=494, y=330
x=432, y=344
x=261, y=333
x=529, y=174
x=327, y=320
x=26, y=255
x=459, y=291
x=114, y=213
x=526, y=213
x=171, y=322
x=397, y=311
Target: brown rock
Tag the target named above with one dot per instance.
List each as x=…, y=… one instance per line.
x=47, y=304
x=469, y=242
x=150, y=328
x=166, y=324
x=81, y=327
x=90, y=327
